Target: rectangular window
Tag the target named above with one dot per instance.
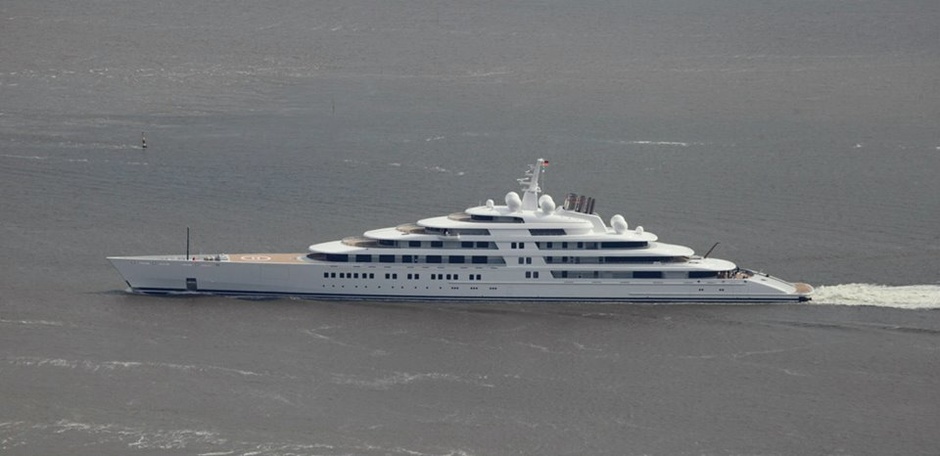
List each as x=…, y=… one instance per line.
x=342, y=275
x=466, y=245
x=513, y=245
x=433, y=259
x=409, y=276
x=535, y=275
x=564, y=245
x=414, y=243
x=522, y=245
x=388, y=276
x=417, y=276
x=469, y=232
x=647, y=275
x=528, y=274
x=448, y=276
x=548, y=245
x=332, y=275
x=622, y=245
x=547, y=232
x=364, y=258
x=326, y=275
x=386, y=258
x=521, y=260
x=336, y=257
x=528, y=260
x=478, y=276
x=437, y=244
x=455, y=259
x=702, y=274
x=483, y=245
x=478, y=260
x=395, y=276
x=408, y=259
x=456, y=277
x=371, y=275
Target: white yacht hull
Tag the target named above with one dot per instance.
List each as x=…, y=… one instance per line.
x=294, y=275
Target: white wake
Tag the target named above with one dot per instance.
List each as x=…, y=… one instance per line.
x=864, y=294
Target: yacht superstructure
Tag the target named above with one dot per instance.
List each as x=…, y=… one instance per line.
x=526, y=249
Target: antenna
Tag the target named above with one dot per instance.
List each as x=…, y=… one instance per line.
x=710, y=250
x=530, y=185
x=187, y=242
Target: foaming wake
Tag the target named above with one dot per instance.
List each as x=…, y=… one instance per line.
x=864, y=294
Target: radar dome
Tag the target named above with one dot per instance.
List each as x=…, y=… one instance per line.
x=639, y=230
x=547, y=204
x=490, y=203
x=619, y=224
x=513, y=202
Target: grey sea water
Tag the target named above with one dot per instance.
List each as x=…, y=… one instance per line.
x=802, y=135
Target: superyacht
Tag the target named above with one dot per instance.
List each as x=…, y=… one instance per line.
x=528, y=249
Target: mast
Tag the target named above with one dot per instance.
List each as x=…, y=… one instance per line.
x=530, y=185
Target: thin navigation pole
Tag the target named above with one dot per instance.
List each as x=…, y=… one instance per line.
x=710, y=250
x=187, y=242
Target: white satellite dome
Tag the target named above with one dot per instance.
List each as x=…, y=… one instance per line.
x=619, y=224
x=513, y=202
x=547, y=204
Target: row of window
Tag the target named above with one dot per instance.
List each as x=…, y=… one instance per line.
x=428, y=259
x=632, y=274
x=394, y=276
x=354, y=275
x=591, y=245
x=547, y=245
x=547, y=232
x=554, y=245
x=534, y=275
x=613, y=260
x=491, y=260
x=496, y=218
x=565, y=245
x=457, y=231
x=438, y=244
